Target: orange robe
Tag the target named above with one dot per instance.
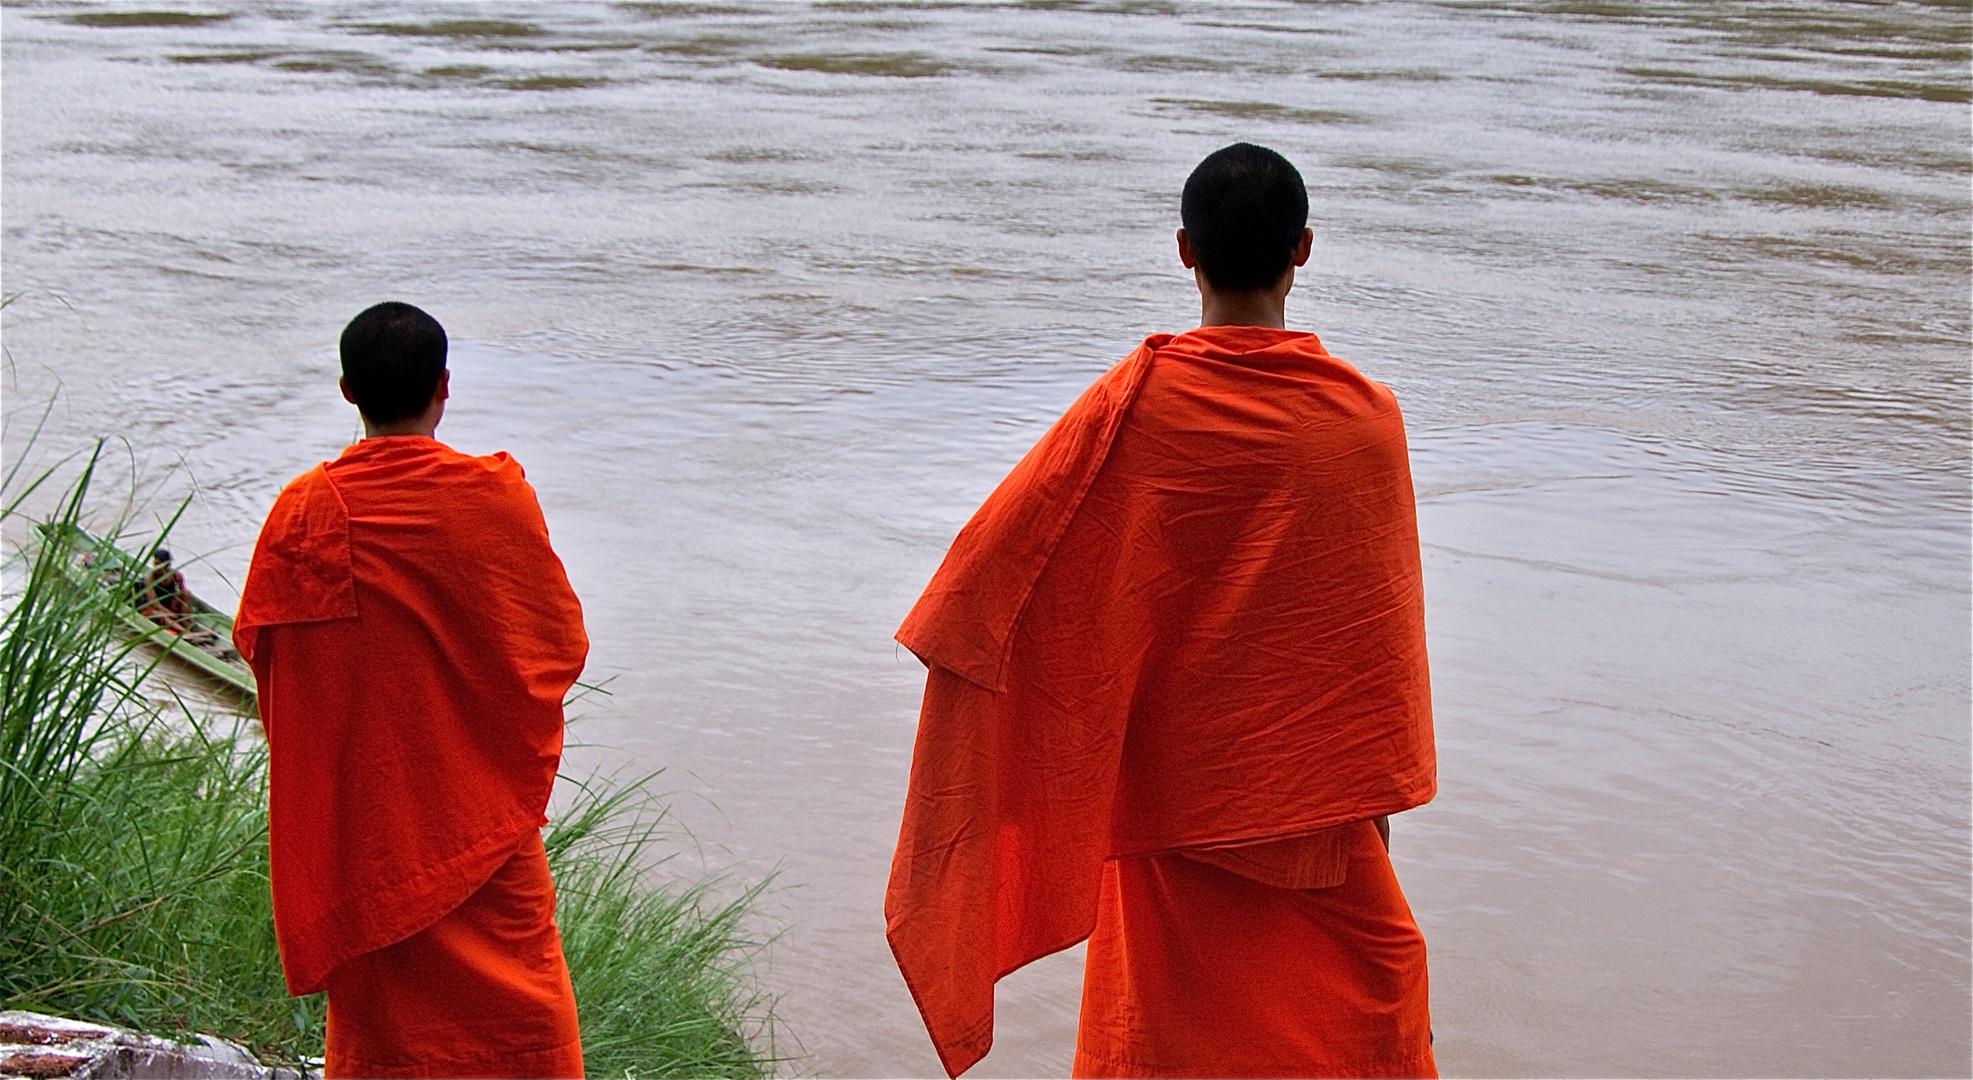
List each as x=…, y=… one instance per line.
x=414, y=635
x=1190, y=618
x=1196, y=969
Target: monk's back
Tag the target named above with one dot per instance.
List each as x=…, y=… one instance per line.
x=413, y=635
x=1263, y=492
x=1246, y=558
x=452, y=535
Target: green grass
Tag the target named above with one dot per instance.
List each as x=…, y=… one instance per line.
x=133, y=859
x=660, y=975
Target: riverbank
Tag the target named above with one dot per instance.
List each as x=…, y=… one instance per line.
x=133, y=857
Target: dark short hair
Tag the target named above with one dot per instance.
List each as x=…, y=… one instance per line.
x=1244, y=209
x=393, y=355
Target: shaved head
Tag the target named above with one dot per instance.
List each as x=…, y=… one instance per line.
x=393, y=355
x=1244, y=210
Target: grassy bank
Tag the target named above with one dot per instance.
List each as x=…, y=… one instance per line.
x=133, y=861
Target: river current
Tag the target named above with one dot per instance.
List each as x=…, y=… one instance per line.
x=767, y=297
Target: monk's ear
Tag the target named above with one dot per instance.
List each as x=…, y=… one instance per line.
x=343, y=385
x=1304, y=246
x=1185, y=251
x=444, y=385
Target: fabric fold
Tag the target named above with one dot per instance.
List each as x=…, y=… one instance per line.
x=964, y=619
x=302, y=570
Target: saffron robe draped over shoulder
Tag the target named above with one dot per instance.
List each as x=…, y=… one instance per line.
x=414, y=636
x=1191, y=617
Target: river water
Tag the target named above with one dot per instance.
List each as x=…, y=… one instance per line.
x=768, y=297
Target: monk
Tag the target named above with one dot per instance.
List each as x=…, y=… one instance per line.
x=1176, y=686
x=414, y=636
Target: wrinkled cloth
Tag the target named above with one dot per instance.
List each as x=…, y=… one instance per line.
x=482, y=992
x=413, y=635
x=1314, y=860
x=1191, y=616
x=1197, y=971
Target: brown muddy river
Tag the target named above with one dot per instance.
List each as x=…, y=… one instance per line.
x=767, y=297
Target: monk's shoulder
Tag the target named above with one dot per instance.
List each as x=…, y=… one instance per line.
x=313, y=486
x=299, y=487
x=500, y=480
x=1325, y=366
x=500, y=463
x=497, y=471
x=503, y=472
x=1346, y=390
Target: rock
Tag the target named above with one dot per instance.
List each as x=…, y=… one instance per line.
x=41, y=1047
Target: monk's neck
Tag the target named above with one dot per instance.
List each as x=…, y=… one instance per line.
x=385, y=431
x=425, y=423
x=1261, y=307
x=1273, y=318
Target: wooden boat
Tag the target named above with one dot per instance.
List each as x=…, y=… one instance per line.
x=202, y=639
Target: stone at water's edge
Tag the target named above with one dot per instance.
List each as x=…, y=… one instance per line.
x=41, y=1047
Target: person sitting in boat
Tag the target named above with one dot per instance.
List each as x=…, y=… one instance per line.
x=162, y=596
x=163, y=600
